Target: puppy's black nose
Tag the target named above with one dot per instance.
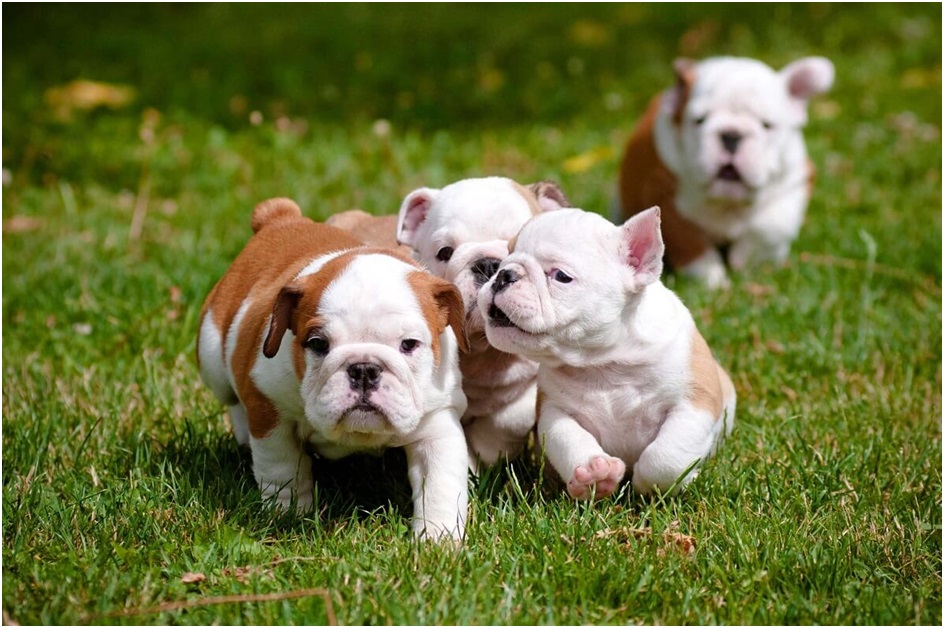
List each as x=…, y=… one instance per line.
x=730, y=141
x=483, y=269
x=503, y=279
x=364, y=376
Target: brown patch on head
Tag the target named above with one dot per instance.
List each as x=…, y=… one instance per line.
x=512, y=243
x=272, y=211
x=297, y=305
x=706, y=391
x=442, y=306
x=684, y=79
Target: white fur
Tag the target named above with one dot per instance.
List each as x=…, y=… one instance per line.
x=615, y=350
x=368, y=310
x=477, y=218
x=759, y=216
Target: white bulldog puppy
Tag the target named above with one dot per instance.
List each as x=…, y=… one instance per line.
x=313, y=338
x=461, y=233
x=722, y=153
x=625, y=380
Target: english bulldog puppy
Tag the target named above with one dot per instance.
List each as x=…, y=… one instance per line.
x=312, y=338
x=626, y=380
x=461, y=233
x=722, y=153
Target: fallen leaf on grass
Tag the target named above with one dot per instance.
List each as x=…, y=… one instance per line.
x=192, y=578
x=84, y=95
x=21, y=224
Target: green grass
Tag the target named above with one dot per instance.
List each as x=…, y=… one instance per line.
x=119, y=477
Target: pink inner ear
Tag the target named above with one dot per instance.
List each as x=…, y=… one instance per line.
x=643, y=239
x=642, y=248
x=416, y=212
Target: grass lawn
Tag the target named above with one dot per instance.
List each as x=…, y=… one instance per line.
x=125, y=498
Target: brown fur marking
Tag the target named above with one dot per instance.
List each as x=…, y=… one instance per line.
x=645, y=181
x=706, y=389
x=372, y=230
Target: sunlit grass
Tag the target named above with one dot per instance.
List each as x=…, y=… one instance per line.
x=119, y=475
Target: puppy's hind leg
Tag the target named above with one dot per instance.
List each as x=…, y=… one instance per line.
x=670, y=461
x=240, y=424
x=502, y=435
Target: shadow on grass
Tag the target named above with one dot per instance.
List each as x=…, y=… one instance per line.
x=207, y=466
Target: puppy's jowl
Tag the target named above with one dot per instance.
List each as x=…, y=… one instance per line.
x=461, y=233
x=312, y=337
x=722, y=153
x=626, y=380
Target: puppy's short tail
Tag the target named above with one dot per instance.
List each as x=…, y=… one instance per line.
x=272, y=211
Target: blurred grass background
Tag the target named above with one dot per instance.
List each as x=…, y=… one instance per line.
x=125, y=199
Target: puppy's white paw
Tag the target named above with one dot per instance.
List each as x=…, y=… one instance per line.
x=598, y=478
x=710, y=270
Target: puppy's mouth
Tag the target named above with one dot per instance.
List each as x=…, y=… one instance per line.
x=498, y=319
x=365, y=417
x=729, y=172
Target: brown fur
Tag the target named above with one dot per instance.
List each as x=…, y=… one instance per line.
x=706, y=391
x=373, y=230
x=645, y=181
x=283, y=244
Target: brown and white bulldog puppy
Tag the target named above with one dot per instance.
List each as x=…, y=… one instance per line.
x=722, y=153
x=461, y=233
x=313, y=338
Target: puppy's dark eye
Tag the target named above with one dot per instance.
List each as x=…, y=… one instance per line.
x=560, y=276
x=409, y=345
x=767, y=125
x=318, y=345
x=445, y=254
x=700, y=120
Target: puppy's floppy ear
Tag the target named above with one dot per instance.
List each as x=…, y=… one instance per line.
x=550, y=196
x=442, y=306
x=281, y=319
x=641, y=247
x=413, y=212
x=677, y=97
x=449, y=300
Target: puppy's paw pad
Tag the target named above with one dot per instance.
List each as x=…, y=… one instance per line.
x=598, y=478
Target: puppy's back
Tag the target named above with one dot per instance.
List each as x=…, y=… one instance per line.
x=284, y=241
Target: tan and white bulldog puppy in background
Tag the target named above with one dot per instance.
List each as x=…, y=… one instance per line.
x=313, y=338
x=461, y=233
x=722, y=153
x=626, y=380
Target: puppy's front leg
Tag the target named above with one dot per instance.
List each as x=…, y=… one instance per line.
x=438, y=467
x=281, y=468
x=577, y=456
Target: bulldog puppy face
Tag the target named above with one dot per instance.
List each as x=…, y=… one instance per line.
x=735, y=120
x=461, y=232
x=364, y=336
x=562, y=293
